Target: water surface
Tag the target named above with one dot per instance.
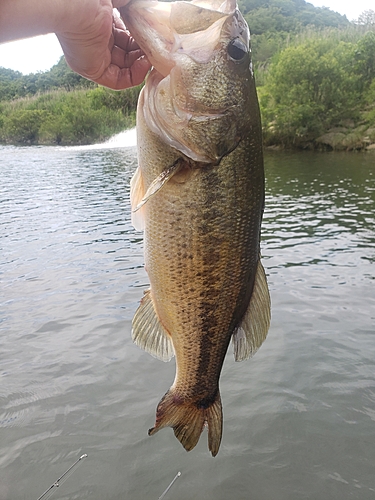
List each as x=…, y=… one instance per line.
x=299, y=418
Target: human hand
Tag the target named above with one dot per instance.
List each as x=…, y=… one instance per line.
x=97, y=46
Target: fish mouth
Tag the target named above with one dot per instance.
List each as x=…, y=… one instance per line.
x=163, y=29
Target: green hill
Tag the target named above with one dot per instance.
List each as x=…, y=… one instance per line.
x=14, y=84
x=315, y=74
x=288, y=15
x=272, y=23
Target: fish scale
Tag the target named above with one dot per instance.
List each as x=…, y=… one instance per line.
x=199, y=195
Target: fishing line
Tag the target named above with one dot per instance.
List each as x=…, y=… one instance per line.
x=169, y=487
x=57, y=483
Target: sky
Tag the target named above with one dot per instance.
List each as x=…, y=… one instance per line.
x=41, y=53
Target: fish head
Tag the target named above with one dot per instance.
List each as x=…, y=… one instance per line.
x=200, y=95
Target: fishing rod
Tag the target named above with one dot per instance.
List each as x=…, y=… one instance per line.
x=49, y=491
x=57, y=483
x=170, y=486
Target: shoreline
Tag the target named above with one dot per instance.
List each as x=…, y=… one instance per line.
x=348, y=138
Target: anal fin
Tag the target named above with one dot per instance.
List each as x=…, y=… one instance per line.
x=148, y=333
x=255, y=324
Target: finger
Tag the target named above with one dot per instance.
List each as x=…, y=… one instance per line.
x=122, y=78
x=124, y=40
x=111, y=43
x=124, y=59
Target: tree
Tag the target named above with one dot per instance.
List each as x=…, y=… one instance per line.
x=365, y=58
x=309, y=88
x=288, y=15
x=367, y=18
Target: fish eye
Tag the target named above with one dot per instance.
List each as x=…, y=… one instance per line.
x=236, y=50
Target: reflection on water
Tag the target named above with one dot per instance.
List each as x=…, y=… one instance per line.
x=299, y=419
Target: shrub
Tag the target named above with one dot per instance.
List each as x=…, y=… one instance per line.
x=60, y=117
x=309, y=88
x=23, y=125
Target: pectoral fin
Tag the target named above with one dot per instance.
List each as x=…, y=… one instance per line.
x=148, y=333
x=137, y=192
x=159, y=182
x=255, y=324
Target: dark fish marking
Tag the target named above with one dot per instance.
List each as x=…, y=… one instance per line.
x=206, y=402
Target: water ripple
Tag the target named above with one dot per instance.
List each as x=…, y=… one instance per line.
x=298, y=418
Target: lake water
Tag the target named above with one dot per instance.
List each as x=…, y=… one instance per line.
x=299, y=418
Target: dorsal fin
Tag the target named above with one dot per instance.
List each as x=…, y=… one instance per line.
x=148, y=333
x=255, y=324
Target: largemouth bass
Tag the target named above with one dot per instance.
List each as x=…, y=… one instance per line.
x=198, y=194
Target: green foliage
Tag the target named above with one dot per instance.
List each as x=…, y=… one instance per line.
x=288, y=16
x=10, y=84
x=61, y=117
x=273, y=23
x=111, y=99
x=315, y=85
x=369, y=113
x=61, y=76
x=367, y=18
x=14, y=84
x=270, y=19
x=264, y=46
x=61, y=107
x=23, y=125
x=284, y=15
x=364, y=58
x=314, y=71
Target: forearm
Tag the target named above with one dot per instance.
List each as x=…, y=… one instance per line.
x=95, y=42
x=26, y=18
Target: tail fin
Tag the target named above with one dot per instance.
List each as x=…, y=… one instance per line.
x=188, y=418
